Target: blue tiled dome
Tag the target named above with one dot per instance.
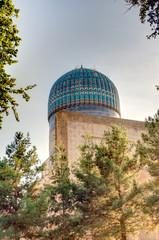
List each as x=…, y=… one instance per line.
x=84, y=90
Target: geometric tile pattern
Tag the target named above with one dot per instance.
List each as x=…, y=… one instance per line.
x=83, y=87
x=52, y=135
x=82, y=90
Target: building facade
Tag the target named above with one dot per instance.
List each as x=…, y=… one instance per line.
x=85, y=91
x=85, y=101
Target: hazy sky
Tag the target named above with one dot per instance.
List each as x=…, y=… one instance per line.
x=59, y=35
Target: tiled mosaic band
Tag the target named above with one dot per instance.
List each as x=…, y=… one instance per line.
x=82, y=90
x=81, y=87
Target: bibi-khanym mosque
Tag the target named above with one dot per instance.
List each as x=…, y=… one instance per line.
x=81, y=101
x=86, y=101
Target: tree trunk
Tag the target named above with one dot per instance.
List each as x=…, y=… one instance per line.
x=63, y=213
x=15, y=232
x=123, y=236
x=123, y=229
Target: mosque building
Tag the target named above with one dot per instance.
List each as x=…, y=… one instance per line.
x=84, y=101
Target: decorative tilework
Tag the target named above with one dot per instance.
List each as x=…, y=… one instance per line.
x=82, y=90
x=84, y=87
x=52, y=135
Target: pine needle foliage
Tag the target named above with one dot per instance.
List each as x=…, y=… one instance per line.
x=64, y=217
x=90, y=188
x=149, y=152
x=9, y=42
x=152, y=142
x=110, y=195
x=121, y=214
x=22, y=208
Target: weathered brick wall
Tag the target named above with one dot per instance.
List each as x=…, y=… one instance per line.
x=71, y=126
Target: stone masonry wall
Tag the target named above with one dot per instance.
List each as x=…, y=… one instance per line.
x=71, y=126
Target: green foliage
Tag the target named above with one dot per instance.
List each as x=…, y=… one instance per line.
x=151, y=141
x=22, y=208
x=90, y=188
x=150, y=154
x=9, y=41
x=110, y=196
x=63, y=214
x=149, y=11
x=121, y=207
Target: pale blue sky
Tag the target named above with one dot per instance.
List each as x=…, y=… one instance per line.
x=59, y=35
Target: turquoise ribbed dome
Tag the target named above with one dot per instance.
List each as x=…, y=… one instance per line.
x=84, y=90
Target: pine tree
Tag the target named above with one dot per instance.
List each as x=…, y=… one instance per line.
x=22, y=208
x=149, y=152
x=90, y=188
x=110, y=195
x=152, y=142
x=121, y=214
x=63, y=214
